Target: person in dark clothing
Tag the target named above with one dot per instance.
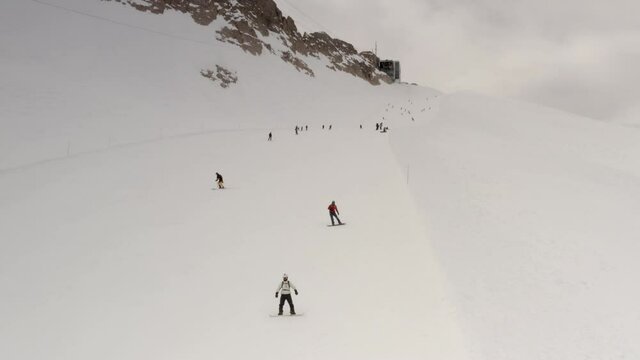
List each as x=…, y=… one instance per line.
x=333, y=213
x=220, y=181
x=270, y=137
x=285, y=294
x=330, y=127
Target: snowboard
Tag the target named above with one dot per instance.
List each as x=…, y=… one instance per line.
x=337, y=225
x=286, y=315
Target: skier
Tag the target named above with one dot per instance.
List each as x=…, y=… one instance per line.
x=219, y=181
x=270, y=136
x=285, y=294
x=296, y=130
x=333, y=213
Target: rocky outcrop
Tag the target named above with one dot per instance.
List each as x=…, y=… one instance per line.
x=252, y=24
x=297, y=63
x=344, y=57
x=204, y=12
x=222, y=76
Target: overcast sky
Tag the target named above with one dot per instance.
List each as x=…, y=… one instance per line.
x=581, y=56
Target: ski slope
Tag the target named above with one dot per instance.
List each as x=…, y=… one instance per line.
x=477, y=228
x=133, y=247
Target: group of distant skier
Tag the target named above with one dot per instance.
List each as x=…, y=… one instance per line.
x=298, y=128
x=380, y=127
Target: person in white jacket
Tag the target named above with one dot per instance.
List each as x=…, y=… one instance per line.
x=285, y=294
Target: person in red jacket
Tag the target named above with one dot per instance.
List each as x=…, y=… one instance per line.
x=333, y=213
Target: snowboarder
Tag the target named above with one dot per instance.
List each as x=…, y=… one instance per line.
x=219, y=181
x=330, y=127
x=333, y=213
x=296, y=130
x=270, y=137
x=285, y=294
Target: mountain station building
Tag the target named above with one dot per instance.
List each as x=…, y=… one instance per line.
x=391, y=68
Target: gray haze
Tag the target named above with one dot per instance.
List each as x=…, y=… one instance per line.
x=579, y=56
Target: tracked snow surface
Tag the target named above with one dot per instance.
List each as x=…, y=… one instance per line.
x=478, y=228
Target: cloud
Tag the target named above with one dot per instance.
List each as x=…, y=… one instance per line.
x=579, y=56
x=593, y=75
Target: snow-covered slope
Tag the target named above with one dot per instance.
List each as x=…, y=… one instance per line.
x=114, y=244
x=477, y=228
x=533, y=215
x=130, y=254
x=80, y=76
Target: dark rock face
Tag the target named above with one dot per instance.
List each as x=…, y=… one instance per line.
x=224, y=76
x=202, y=11
x=300, y=65
x=249, y=20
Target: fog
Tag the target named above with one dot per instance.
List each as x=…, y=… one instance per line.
x=578, y=56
